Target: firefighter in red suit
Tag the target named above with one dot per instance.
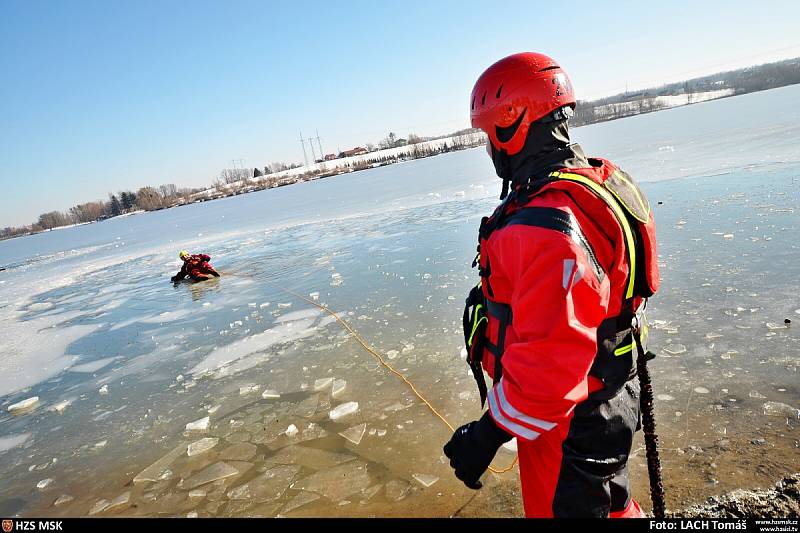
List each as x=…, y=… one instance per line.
x=566, y=262
x=195, y=266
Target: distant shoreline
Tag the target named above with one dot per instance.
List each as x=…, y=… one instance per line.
x=587, y=113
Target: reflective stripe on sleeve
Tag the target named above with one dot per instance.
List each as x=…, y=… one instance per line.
x=506, y=406
x=518, y=431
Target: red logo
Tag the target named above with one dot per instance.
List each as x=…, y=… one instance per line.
x=8, y=525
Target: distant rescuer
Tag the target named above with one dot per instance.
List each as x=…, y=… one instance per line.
x=197, y=267
x=565, y=262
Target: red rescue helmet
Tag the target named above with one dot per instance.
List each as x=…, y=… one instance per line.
x=513, y=93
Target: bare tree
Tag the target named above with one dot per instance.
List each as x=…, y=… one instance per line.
x=149, y=199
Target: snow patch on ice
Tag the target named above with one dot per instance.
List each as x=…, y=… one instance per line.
x=34, y=351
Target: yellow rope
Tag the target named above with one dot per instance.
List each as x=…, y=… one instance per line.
x=383, y=362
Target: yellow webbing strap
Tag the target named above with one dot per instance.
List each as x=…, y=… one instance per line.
x=613, y=204
x=476, y=322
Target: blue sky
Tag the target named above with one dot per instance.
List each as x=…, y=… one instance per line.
x=100, y=96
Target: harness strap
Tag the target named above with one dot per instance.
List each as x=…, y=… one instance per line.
x=474, y=322
x=615, y=207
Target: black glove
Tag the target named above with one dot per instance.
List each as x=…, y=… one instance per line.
x=174, y=278
x=472, y=448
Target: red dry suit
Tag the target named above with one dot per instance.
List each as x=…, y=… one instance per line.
x=196, y=267
x=550, y=322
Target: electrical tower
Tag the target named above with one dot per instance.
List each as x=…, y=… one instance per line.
x=311, y=144
x=303, y=144
x=321, y=153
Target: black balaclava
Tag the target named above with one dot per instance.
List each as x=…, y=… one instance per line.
x=547, y=148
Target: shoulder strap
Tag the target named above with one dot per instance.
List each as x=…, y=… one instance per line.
x=628, y=193
x=616, y=207
x=558, y=220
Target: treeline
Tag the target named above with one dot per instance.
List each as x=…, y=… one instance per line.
x=145, y=199
x=734, y=82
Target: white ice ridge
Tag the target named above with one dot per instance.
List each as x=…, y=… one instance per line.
x=93, y=366
x=248, y=352
x=167, y=316
x=298, y=315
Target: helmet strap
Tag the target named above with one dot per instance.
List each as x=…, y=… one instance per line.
x=502, y=166
x=504, y=192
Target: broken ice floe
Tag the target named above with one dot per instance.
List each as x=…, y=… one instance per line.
x=291, y=431
x=355, y=433
x=160, y=469
x=242, y=451
x=43, y=484
x=322, y=383
x=701, y=390
x=99, y=507
x=199, y=425
x=269, y=486
x=247, y=389
x=343, y=410
x=24, y=406
x=201, y=446
x=781, y=409
x=303, y=498
x=773, y=326
x=339, y=386
x=312, y=458
x=215, y=472
x=338, y=482
x=119, y=502
x=62, y=500
x=397, y=489
x=103, y=390
x=270, y=394
x=675, y=349
x=426, y=480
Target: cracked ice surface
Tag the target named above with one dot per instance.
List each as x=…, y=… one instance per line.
x=402, y=272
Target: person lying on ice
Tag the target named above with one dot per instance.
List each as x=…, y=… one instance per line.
x=195, y=266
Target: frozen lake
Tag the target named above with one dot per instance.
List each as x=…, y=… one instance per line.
x=121, y=360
